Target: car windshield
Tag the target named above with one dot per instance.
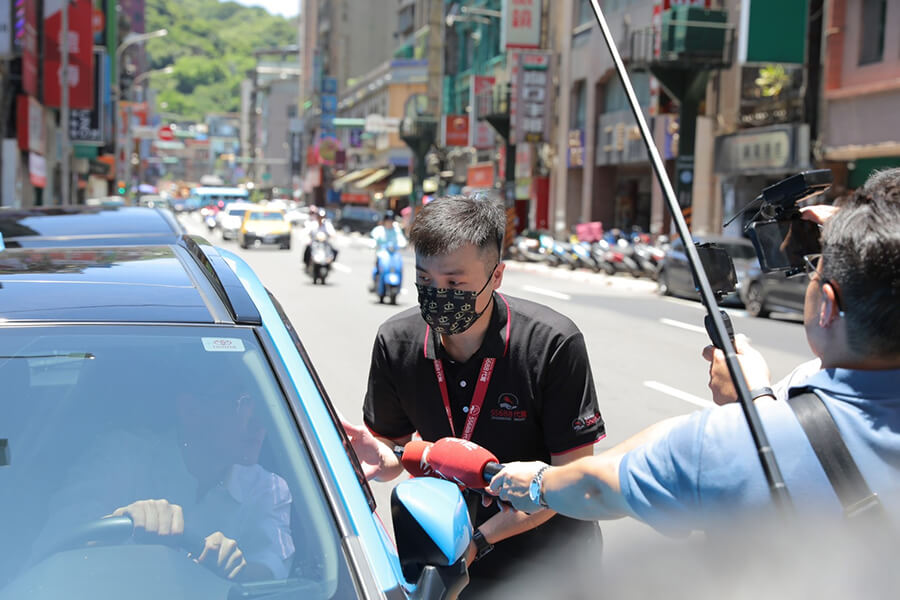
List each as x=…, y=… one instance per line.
x=237, y=212
x=97, y=418
x=266, y=216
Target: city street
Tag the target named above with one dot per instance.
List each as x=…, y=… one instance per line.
x=644, y=349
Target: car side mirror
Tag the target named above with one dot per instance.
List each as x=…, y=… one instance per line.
x=433, y=532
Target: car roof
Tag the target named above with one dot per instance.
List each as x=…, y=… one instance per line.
x=87, y=226
x=185, y=282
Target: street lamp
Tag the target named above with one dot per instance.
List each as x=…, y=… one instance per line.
x=130, y=39
x=140, y=78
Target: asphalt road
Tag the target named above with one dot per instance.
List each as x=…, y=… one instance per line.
x=644, y=349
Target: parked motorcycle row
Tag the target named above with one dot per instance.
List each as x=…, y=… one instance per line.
x=615, y=253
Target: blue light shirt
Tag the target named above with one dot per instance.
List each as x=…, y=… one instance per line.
x=386, y=236
x=707, y=467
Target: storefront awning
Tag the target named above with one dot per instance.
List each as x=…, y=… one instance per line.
x=351, y=176
x=402, y=186
x=373, y=178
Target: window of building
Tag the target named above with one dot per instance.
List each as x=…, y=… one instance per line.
x=614, y=98
x=579, y=105
x=585, y=13
x=872, y=31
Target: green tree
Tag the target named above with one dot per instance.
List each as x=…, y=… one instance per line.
x=210, y=46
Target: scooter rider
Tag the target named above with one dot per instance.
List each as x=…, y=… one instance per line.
x=388, y=234
x=320, y=223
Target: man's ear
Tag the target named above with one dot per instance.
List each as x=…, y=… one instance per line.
x=828, y=310
x=498, y=274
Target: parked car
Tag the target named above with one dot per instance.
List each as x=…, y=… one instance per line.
x=357, y=218
x=231, y=218
x=87, y=226
x=263, y=226
x=675, y=277
x=763, y=293
x=132, y=373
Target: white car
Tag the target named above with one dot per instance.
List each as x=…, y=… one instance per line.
x=231, y=217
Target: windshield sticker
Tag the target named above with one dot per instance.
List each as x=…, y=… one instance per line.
x=223, y=344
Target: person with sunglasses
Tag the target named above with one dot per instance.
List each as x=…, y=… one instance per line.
x=702, y=471
x=470, y=362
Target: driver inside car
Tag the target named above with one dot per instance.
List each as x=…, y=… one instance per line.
x=201, y=476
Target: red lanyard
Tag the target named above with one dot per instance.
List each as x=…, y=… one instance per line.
x=484, y=377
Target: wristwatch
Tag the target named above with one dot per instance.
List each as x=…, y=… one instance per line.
x=760, y=392
x=536, y=489
x=482, y=546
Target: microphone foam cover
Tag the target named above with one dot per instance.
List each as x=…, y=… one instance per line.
x=415, y=459
x=460, y=461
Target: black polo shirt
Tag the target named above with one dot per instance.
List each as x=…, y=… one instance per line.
x=540, y=401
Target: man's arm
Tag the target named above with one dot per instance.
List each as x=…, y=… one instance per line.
x=587, y=488
x=507, y=523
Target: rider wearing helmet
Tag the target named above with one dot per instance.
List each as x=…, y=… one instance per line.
x=318, y=224
x=388, y=234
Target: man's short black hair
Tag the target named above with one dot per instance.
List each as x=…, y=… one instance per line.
x=861, y=252
x=447, y=224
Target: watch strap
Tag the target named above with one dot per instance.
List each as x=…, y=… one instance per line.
x=539, y=481
x=760, y=392
x=482, y=546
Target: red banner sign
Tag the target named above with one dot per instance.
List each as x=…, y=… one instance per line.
x=30, y=50
x=456, y=130
x=81, y=54
x=355, y=198
x=481, y=176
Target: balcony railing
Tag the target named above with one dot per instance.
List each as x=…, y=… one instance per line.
x=682, y=43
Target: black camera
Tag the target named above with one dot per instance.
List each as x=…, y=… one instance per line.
x=779, y=234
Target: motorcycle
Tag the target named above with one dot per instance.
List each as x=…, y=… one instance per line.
x=321, y=255
x=388, y=274
x=582, y=252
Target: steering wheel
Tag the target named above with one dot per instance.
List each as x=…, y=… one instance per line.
x=118, y=530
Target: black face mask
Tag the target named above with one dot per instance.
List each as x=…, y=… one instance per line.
x=449, y=311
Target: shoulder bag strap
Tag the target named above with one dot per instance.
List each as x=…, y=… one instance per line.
x=825, y=439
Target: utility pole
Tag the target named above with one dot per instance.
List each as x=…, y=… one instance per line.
x=64, y=108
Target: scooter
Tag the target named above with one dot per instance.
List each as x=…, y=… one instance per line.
x=321, y=255
x=388, y=274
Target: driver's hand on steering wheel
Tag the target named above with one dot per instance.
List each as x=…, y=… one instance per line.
x=222, y=555
x=154, y=516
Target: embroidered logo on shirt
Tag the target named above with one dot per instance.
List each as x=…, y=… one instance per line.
x=508, y=409
x=582, y=423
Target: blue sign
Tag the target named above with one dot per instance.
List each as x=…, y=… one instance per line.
x=329, y=85
x=329, y=104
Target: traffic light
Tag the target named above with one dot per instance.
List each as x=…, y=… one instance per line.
x=120, y=188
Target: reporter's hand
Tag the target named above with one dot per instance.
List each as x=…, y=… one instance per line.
x=154, y=516
x=222, y=555
x=756, y=371
x=368, y=449
x=512, y=484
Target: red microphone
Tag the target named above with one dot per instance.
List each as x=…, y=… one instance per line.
x=462, y=461
x=414, y=458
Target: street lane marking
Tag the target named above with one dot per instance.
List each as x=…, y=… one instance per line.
x=676, y=393
x=680, y=325
x=734, y=312
x=341, y=268
x=543, y=292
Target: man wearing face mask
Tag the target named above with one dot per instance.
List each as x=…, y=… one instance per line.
x=510, y=375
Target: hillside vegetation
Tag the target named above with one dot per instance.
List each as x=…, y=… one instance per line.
x=210, y=45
